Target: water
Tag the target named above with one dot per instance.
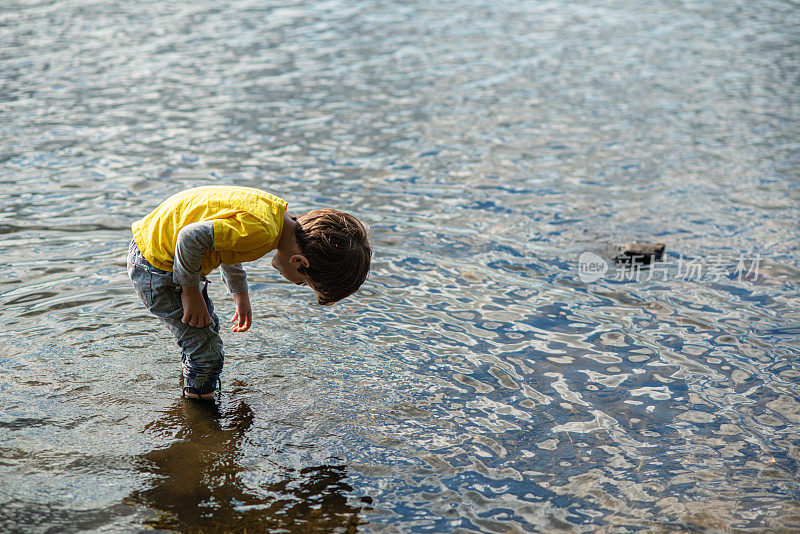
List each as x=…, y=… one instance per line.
x=475, y=383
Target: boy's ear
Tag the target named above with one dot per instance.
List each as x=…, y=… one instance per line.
x=300, y=258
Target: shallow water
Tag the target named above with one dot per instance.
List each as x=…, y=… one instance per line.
x=477, y=383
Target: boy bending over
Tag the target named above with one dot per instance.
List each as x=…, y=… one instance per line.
x=198, y=230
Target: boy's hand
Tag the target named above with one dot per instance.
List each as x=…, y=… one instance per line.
x=195, y=312
x=243, y=316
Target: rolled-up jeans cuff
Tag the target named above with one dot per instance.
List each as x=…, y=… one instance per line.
x=201, y=385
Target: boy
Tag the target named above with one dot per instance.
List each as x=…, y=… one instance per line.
x=198, y=230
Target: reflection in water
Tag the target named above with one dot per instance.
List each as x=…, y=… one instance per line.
x=199, y=486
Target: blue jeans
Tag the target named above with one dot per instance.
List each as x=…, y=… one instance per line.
x=201, y=348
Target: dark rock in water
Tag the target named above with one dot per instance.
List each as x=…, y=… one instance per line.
x=637, y=253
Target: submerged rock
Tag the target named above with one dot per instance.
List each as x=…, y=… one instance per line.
x=637, y=253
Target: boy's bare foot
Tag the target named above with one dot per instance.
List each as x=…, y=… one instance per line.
x=190, y=393
x=204, y=396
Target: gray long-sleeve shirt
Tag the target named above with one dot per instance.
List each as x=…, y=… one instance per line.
x=193, y=240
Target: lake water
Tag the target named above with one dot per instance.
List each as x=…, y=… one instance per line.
x=480, y=381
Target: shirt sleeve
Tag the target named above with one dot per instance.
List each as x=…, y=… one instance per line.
x=234, y=277
x=192, y=241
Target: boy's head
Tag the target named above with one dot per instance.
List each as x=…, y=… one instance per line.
x=338, y=252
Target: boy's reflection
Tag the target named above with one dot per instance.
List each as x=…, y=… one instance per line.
x=199, y=488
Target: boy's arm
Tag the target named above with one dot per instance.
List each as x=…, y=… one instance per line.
x=235, y=279
x=192, y=241
x=187, y=270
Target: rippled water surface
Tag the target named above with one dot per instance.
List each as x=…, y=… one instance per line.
x=477, y=383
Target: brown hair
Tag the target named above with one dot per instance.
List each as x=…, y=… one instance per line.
x=336, y=246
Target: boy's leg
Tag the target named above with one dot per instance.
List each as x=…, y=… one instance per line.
x=202, y=354
x=201, y=348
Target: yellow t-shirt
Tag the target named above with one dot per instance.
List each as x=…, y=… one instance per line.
x=247, y=224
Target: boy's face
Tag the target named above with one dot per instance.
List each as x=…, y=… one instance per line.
x=289, y=267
